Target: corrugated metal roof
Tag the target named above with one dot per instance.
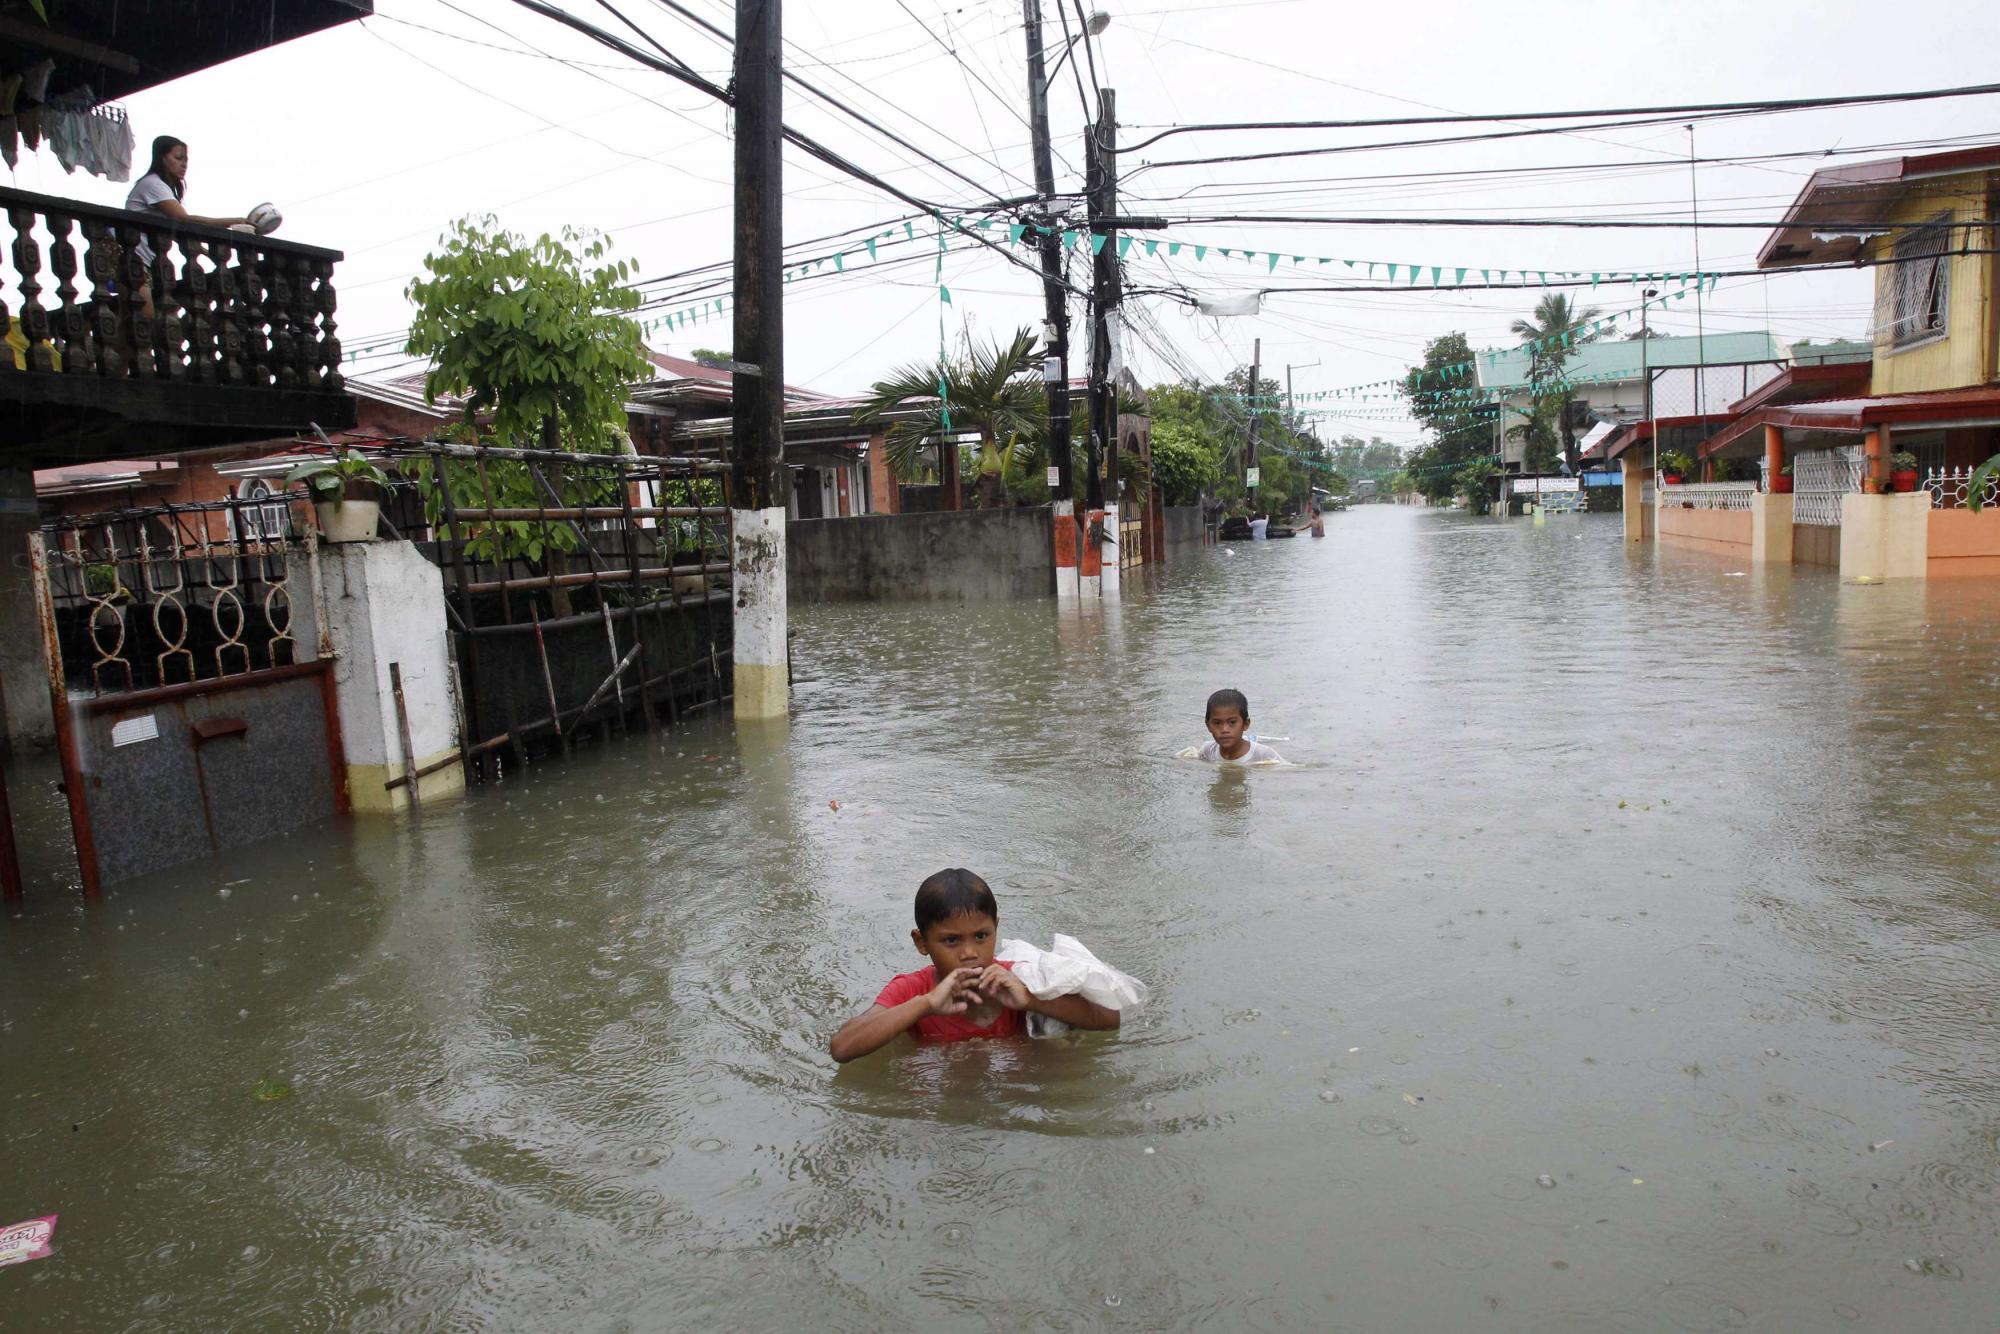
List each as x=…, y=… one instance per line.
x=1627, y=358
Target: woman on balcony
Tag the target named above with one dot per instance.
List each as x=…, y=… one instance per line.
x=159, y=192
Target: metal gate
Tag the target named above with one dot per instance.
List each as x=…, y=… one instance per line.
x=189, y=719
x=583, y=591
x=1820, y=477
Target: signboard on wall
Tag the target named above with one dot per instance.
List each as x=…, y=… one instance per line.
x=1528, y=486
x=1250, y=476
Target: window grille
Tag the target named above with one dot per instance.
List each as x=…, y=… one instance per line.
x=1919, y=284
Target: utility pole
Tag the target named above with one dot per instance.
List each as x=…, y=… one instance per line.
x=1055, y=313
x=757, y=387
x=1256, y=368
x=1104, y=299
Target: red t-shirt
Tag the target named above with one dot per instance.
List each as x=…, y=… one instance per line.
x=947, y=1027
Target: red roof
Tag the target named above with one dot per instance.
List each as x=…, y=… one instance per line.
x=1846, y=206
x=1950, y=407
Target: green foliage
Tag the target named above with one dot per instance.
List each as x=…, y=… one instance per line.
x=540, y=348
x=1902, y=461
x=1474, y=481
x=1555, y=330
x=1540, y=434
x=1675, y=463
x=1982, y=477
x=329, y=478
x=1187, y=462
x=991, y=393
x=1461, y=428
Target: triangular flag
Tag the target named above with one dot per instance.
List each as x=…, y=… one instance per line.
x=1201, y=252
x=1097, y=243
x=1152, y=248
x=840, y=261
x=944, y=295
x=1124, y=244
x=1274, y=264
x=1461, y=275
x=871, y=247
x=1014, y=231
x=910, y=230
x=1173, y=248
x=1069, y=240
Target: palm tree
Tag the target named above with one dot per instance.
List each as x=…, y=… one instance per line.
x=990, y=391
x=1555, y=328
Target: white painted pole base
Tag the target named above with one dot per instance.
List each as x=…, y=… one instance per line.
x=1090, y=587
x=757, y=579
x=1114, y=551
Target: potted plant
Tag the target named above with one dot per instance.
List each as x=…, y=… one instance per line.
x=1902, y=471
x=346, y=488
x=1781, y=485
x=1674, y=465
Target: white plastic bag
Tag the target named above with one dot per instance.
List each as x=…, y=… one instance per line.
x=1068, y=968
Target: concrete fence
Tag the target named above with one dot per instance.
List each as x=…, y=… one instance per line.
x=955, y=556
x=1183, y=525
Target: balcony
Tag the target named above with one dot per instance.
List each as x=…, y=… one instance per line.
x=240, y=344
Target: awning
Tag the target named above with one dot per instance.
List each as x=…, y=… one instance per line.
x=1852, y=416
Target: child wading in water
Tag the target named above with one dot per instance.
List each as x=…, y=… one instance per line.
x=1228, y=719
x=964, y=993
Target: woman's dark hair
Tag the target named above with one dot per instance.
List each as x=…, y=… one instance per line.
x=163, y=145
x=951, y=892
x=1228, y=699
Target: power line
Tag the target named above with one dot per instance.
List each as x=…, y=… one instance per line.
x=1690, y=108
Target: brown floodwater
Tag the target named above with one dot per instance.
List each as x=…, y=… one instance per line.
x=1621, y=953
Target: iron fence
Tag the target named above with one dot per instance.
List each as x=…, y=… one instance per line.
x=585, y=591
x=173, y=594
x=1708, y=495
x=1949, y=488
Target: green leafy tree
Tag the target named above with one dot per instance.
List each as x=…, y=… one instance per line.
x=1443, y=395
x=534, y=336
x=994, y=391
x=1554, y=331
x=1187, y=463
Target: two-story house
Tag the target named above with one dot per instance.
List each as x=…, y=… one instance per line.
x=1872, y=480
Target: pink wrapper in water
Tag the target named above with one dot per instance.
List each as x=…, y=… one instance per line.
x=27, y=1241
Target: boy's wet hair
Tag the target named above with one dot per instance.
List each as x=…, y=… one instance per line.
x=1228, y=699
x=951, y=892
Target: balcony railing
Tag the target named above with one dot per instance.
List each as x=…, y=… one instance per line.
x=1708, y=495
x=230, y=310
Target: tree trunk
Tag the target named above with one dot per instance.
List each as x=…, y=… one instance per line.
x=951, y=495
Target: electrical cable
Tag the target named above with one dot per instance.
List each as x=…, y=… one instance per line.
x=1671, y=111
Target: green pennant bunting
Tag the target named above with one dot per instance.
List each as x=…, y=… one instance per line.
x=944, y=294
x=1152, y=248
x=1097, y=244
x=1124, y=245
x=871, y=247
x=1173, y=248
x=1201, y=252
x=910, y=230
x=1461, y=277
x=1014, y=231
x=1069, y=240
x=1273, y=265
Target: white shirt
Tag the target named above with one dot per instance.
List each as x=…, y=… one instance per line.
x=1259, y=753
x=147, y=194
x=1257, y=527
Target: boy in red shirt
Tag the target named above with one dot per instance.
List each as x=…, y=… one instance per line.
x=964, y=993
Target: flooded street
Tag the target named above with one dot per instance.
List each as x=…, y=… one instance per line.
x=1621, y=953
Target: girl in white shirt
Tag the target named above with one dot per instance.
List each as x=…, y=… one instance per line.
x=159, y=192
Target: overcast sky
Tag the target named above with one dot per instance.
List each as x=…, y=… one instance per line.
x=373, y=137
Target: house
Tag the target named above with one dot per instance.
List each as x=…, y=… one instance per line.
x=1689, y=377
x=241, y=344
x=1825, y=444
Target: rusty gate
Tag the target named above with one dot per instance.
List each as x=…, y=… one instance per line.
x=188, y=717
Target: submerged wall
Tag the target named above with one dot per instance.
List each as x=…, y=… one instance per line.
x=1725, y=532
x=955, y=556
x=1183, y=525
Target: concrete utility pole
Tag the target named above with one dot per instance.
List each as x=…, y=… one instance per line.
x=757, y=388
x=1105, y=296
x=1055, y=307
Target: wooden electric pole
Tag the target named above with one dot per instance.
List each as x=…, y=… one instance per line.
x=1055, y=311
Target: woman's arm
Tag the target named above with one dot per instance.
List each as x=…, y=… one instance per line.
x=173, y=209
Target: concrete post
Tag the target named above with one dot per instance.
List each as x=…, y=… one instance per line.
x=1062, y=524
x=24, y=682
x=1114, y=553
x=762, y=675
x=384, y=604
x=1771, y=529
x=1885, y=536
x=1090, y=559
x=1636, y=513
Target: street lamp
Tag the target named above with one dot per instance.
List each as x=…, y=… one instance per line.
x=1093, y=26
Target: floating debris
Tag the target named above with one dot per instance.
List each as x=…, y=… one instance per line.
x=270, y=1090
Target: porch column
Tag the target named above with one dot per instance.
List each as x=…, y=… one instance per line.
x=24, y=681
x=1875, y=450
x=883, y=497
x=1774, y=450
